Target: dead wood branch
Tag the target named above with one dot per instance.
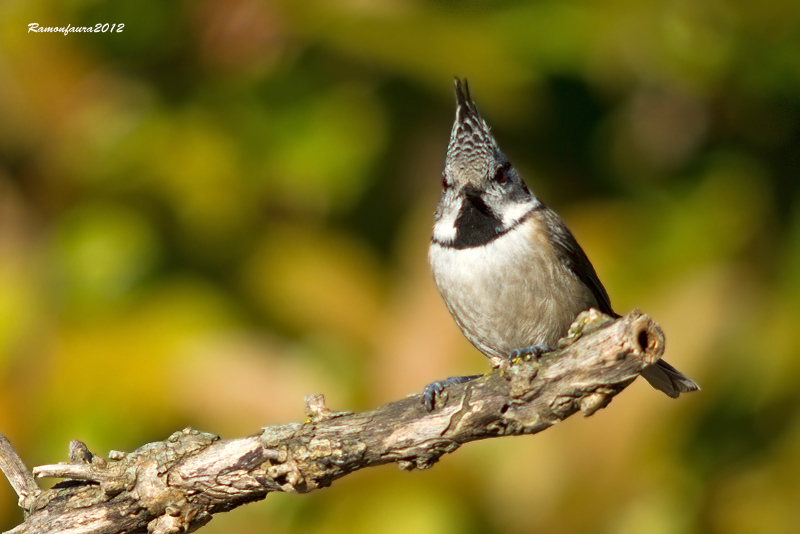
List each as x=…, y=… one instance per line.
x=178, y=484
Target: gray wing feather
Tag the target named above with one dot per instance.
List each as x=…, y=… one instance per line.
x=574, y=259
x=662, y=376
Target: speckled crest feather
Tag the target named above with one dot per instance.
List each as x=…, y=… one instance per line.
x=471, y=150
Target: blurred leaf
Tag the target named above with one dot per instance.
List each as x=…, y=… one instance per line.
x=101, y=252
x=318, y=152
x=310, y=278
x=119, y=369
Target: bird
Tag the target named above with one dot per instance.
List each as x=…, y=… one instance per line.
x=509, y=270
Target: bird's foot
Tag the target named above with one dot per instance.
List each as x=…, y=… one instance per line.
x=434, y=391
x=534, y=351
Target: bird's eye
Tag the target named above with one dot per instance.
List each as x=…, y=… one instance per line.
x=501, y=174
x=445, y=183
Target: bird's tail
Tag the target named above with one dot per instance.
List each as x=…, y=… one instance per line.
x=666, y=378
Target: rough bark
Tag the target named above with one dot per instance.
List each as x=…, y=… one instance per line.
x=178, y=484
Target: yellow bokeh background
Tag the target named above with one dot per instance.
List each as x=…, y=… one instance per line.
x=226, y=206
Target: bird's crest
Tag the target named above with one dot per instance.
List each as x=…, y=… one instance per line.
x=472, y=149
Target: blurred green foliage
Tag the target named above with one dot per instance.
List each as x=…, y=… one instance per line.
x=226, y=207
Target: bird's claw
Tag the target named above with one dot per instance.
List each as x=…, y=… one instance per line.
x=534, y=351
x=434, y=391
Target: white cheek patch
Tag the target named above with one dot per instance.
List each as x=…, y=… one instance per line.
x=444, y=231
x=513, y=213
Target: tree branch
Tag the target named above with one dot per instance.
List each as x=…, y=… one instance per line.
x=178, y=484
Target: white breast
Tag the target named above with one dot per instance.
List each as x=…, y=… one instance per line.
x=510, y=293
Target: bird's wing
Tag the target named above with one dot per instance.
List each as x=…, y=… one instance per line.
x=574, y=259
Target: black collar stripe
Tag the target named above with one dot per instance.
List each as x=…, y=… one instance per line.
x=477, y=225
